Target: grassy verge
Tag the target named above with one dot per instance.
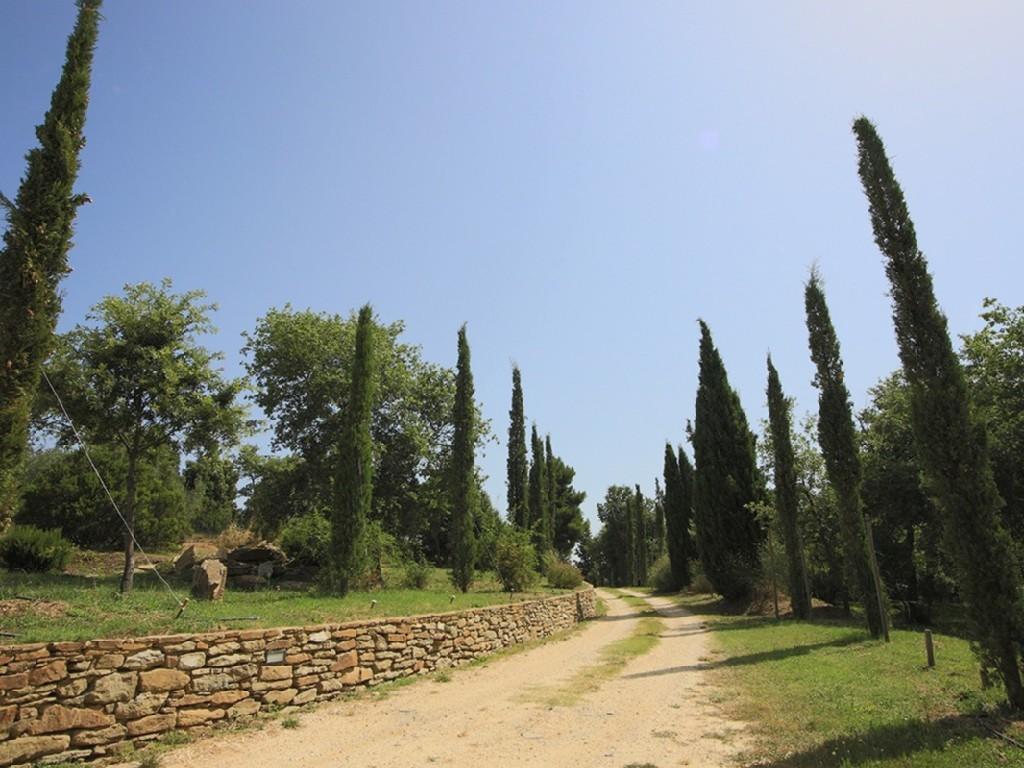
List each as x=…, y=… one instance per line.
x=64, y=607
x=614, y=657
x=822, y=693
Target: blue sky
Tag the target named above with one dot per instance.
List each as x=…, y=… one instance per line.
x=579, y=181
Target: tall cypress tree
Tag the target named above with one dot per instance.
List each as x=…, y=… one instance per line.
x=838, y=439
x=630, y=558
x=786, y=494
x=951, y=444
x=34, y=257
x=640, y=511
x=516, y=464
x=463, y=471
x=353, y=482
x=659, y=520
x=537, y=488
x=677, y=520
x=686, y=483
x=728, y=533
x=550, y=494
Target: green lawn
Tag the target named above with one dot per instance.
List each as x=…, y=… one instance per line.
x=90, y=607
x=823, y=694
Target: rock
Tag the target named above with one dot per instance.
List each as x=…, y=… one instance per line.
x=51, y=673
x=60, y=718
x=151, y=657
x=190, y=717
x=229, y=660
x=163, y=680
x=32, y=748
x=248, y=581
x=244, y=708
x=95, y=738
x=185, y=560
x=7, y=716
x=10, y=682
x=305, y=697
x=144, y=704
x=211, y=683
x=270, y=674
x=263, y=552
x=209, y=579
x=110, y=688
x=152, y=724
x=193, y=660
x=280, y=697
x=345, y=661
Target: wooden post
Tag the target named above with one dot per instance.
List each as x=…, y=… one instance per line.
x=929, y=647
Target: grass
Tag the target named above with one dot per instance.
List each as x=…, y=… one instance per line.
x=614, y=657
x=822, y=694
x=94, y=609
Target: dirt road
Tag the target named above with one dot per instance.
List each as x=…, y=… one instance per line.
x=656, y=711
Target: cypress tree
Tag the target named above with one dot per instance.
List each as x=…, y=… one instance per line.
x=677, y=520
x=353, y=482
x=550, y=494
x=728, y=533
x=686, y=481
x=641, y=536
x=516, y=465
x=631, y=571
x=951, y=444
x=838, y=439
x=537, y=489
x=659, y=520
x=463, y=479
x=786, y=493
x=34, y=256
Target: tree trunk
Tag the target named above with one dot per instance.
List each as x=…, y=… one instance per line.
x=128, y=576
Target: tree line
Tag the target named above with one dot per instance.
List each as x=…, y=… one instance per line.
x=914, y=501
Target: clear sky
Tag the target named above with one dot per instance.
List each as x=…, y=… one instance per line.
x=579, y=181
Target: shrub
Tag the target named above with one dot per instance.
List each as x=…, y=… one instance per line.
x=701, y=584
x=26, y=548
x=560, y=574
x=660, y=577
x=515, y=560
x=234, y=537
x=306, y=539
x=416, y=575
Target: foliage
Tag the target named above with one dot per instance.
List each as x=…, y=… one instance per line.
x=678, y=512
x=234, y=536
x=302, y=363
x=463, y=483
x=566, y=507
x=416, y=575
x=61, y=491
x=34, y=550
x=353, y=477
x=516, y=464
x=611, y=547
x=640, y=540
x=212, y=482
x=905, y=520
x=993, y=361
x=951, y=442
x=536, y=496
x=786, y=501
x=515, y=560
x=36, y=242
x=838, y=439
x=559, y=573
x=137, y=377
x=661, y=578
x=306, y=539
x=728, y=535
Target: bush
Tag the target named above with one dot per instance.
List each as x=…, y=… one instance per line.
x=701, y=584
x=233, y=537
x=660, y=577
x=560, y=574
x=515, y=560
x=306, y=539
x=26, y=548
x=416, y=575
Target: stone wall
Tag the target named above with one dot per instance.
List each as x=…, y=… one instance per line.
x=79, y=700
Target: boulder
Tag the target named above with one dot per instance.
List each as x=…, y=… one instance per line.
x=209, y=579
x=263, y=552
x=185, y=560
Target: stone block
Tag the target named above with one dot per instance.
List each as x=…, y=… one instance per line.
x=152, y=724
x=163, y=680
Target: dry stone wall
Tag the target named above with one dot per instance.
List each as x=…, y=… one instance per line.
x=80, y=700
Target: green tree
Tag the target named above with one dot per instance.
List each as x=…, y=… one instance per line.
x=838, y=438
x=786, y=501
x=34, y=256
x=566, y=508
x=951, y=442
x=640, y=526
x=612, y=544
x=212, y=483
x=516, y=464
x=550, y=480
x=537, y=488
x=659, y=520
x=353, y=479
x=137, y=377
x=463, y=477
x=728, y=533
x=677, y=518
